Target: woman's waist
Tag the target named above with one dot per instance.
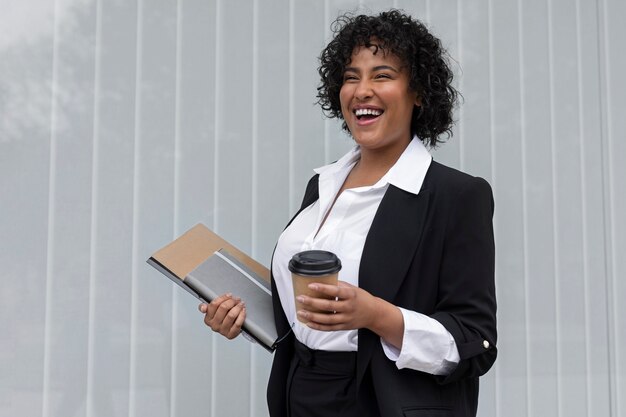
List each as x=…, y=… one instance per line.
x=333, y=341
x=335, y=362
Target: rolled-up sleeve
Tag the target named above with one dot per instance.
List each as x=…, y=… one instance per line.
x=426, y=346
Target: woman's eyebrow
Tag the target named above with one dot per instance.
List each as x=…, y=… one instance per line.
x=377, y=68
x=384, y=67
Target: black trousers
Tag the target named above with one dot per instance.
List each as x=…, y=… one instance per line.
x=322, y=384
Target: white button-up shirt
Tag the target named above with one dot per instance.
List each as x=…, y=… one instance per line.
x=427, y=346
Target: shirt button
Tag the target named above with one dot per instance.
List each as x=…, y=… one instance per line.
x=485, y=344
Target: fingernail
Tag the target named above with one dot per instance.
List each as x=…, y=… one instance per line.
x=313, y=287
x=302, y=313
x=229, y=294
x=300, y=299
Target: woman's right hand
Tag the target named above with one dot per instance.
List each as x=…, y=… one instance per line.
x=224, y=315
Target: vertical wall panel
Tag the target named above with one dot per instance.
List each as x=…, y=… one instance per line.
x=590, y=119
x=613, y=67
x=508, y=191
x=307, y=130
x=195, y=125
x=271, y=129
x=193, y=199
x=570, y=301
x=539, y=246
x=270, y=179
x=67, y=298
x=153, y=208
x=112, y=211
x=25, y=106
x=233, y=185
x=234, y=115
x=474, y=117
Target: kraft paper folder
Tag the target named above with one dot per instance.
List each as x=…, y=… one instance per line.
x=207, y=266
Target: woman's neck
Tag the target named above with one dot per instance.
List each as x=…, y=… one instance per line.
x=374, y=163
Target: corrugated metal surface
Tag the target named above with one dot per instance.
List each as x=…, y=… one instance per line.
x=125, y=122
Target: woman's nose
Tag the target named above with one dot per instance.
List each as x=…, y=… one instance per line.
x=363, y=90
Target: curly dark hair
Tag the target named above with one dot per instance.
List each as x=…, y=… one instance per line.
x=422, y=53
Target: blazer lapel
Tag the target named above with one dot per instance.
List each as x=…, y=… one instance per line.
x=392, y=240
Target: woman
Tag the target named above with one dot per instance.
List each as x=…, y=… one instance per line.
x=412, y=324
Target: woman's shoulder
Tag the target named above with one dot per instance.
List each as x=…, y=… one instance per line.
x=441, y=177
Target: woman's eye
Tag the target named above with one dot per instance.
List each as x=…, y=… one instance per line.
x=349, y=78
x=383, y=76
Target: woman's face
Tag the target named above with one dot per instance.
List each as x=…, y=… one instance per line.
x=376, y=101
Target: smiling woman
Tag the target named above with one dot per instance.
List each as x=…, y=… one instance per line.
x=410, y=326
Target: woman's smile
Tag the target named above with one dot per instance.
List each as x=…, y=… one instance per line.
x=367, y=114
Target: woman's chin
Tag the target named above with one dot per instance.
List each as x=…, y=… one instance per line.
x=367, y=139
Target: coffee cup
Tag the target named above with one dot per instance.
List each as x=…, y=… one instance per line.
x=310, y=266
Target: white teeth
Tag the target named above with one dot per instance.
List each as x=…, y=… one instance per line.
x=363, y=112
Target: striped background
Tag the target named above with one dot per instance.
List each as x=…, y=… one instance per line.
x=125, y=122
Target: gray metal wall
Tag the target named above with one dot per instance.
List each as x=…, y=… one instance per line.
x=123, y=123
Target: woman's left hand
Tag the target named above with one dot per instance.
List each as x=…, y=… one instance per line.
x=352, y=308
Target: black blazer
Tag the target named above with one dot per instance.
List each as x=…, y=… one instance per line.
x=432, y=253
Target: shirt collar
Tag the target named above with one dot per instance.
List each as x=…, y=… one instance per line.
x=347, y=160
x=410, y=169
x=407, y=173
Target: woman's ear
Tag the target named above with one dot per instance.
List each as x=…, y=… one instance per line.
x=418, y=101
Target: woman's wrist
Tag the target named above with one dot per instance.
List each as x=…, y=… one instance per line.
x=387, y=322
